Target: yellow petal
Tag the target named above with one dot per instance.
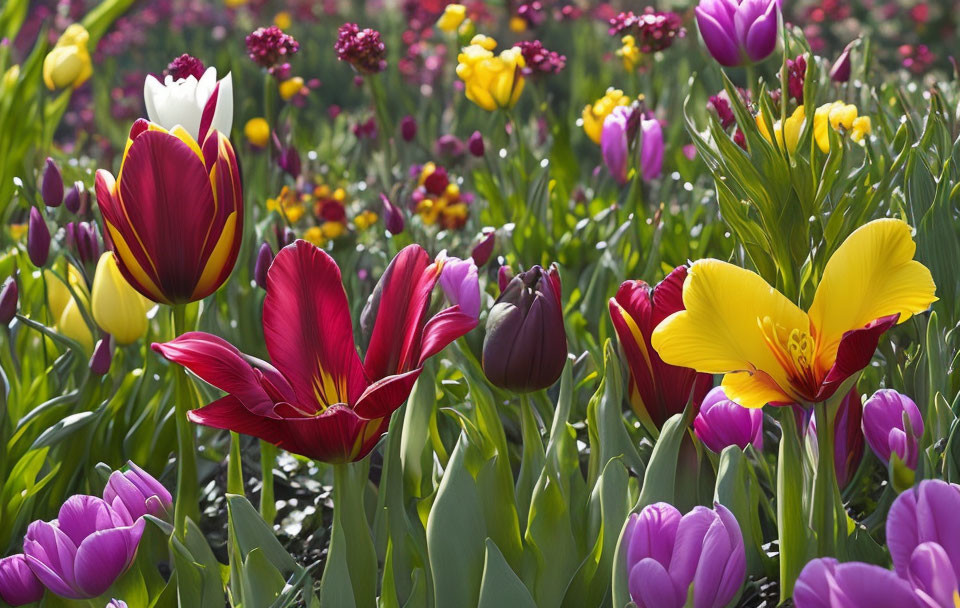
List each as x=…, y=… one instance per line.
x=116, y=306
x=72, y=325
x=871, y=275
x=753, y=389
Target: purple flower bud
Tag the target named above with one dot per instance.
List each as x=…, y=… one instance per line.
x=8, y=301
x=84, y=550
x=484, y=249
x=525, y=348
x=884, y=416
x=38, y=239
x=138, y=493
x=504, y=276
x=51, y=188
x=392, y=216
x=115, y=603
x=722, y=422
x=738, y=32
x=475, y=144
x=825, y=583
x=615, y=143
x=840, y=72
x=449, y=146
x=288, y=237
x=73, y=197
x=102, y=356
x=18, y=584
x=264, y=259
x=408, y=128
x=847, y=437
x=651, y=148
x=667, y=553
x=460, y=283
x=288, y=159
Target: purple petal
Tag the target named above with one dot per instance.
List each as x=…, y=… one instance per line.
x=938, y=506
x=614, y=146
x=105, y=555
x=460, y=283
x=688, y=547
x=812, y=589
x=902, y=534
x=654, y=534
x=866, y=585
x=18, y=584
x=761, y=39
x=82, y=515
x=650, y=586
x=50, y=554
x=932, y=574
x=651, y=148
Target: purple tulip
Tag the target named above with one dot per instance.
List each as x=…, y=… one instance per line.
x=51, y=186
x=504, y=276
x=738, y=32
x=826, y=583
x=475, y=144
x=484, y=249
x=408, y=128
x=115, y=603
x=840, y=72
x=651, y=148
x=460, y=283
x=82, y=552
x=137, y=492
x=82, y=237
x=18, y=583
x=102, y=357
x=847, y=437
x=38, y=239
x=264, y=259
x=722, y=422
x=449, y=146
x=392, y=216
x=73, y=199
x=8, y=301
x=883, y=426
x=615, y=142
x=666, y=553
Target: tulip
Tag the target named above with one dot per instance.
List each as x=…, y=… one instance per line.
x=8, y=301
x=484, y=249
x=738, y=32
x=64, y=308
x=116, y=306
x=651, y=148
x=772, y=351
x=183, y=102
x=51, y=185
x=841, y=117
x=137, y=492
x=82, y=552
x=722, y=422
x=667, y=553
x=840, y=72
x=453, y=15
x=525, y=348
x=504, y=276
x=83, y=239
x=826, y=583
x=595, y=114
x=787, y=134
x=392, y=215
x=38, y=239
x=68, y=63
x=288, y=159
x=319, y=400
x=102, y=357
x=885, y=425
x=460, y=283
x=175, y=215
x=656, y=390
x=257, y=132
x=115, y=603
x=74, y=198
x=408, y=128
x=492, y=81
x=18, y=584
x=475, y=144
x=615, y=141
x=264, y=259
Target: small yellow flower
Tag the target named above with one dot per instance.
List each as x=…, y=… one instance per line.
x=68, y=63
x=492, y=81
x=321, y=191
x=314, y=235
x=452, y=192
x=365, y=219
x=518, y=24
x=790, y=131
x=629, y=53
x=594, y=114
x=332, y=230
x=118, y=308
x=453, y=15
x=283, y=20
x=841, y=117
x=291, y=88
x=257, y=131
x=861, y=127
x=339, y=195
x=484, y=41
x=287, y=204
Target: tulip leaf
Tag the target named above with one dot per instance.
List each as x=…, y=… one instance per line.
x=198, y=572
x=738, y=490
x=532, y=459
x=249, y=532
x=791, y=524
x=260, y=580
x=500, y=585
x=415, y=455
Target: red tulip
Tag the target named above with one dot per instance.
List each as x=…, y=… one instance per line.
x=174, y=214
x=318, y=399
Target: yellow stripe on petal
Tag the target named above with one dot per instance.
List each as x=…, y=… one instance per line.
x=184, y=136
x=217, y=260
x=871, y=275
x=133, y=266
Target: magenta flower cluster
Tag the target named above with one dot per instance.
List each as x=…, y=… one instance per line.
x=653, y=30
x=185, y=66
x=540, y=60
x=270, y=47
x=363, y=49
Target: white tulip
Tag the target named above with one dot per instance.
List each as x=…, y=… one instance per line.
x=181, y=102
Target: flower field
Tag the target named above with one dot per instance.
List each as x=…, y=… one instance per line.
x=417, y=304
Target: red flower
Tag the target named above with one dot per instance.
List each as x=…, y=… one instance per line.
x=317, y=399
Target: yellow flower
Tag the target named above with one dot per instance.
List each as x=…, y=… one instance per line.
x=68, y=63
x=18, y=231
x=594, y=114
x=453, y=15
x=790, y=131
x=365, y=219
x=118, y=308
x=629, y=53
x=861, y=127
x=491, y=81
x=332, y=230
x=841, y=117
x=291, y=88
x=314, y=235
x=10, y=78
x=257, y=131
x=770, y=350
x=288, y=204
x=339, y=194
x=283, y=20
x=235, y=3
x=64, y=309
x=518, y=24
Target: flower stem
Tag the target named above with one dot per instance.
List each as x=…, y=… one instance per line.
x=268, y=506
x=825, y=517
x=790, y=521
x=187, y=501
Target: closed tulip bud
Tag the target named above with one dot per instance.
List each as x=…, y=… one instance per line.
x=666, y=553
x=738, y=32
x=288, y=237
x=137, y=492
x=38, y=239
x=392, y=216
x=525, y=348
x=73, y=199
x=68, y=63
x=840, y=72
x=449, y=146
x=18, y=584
x=8, y=301
x=288, y=159
x=484, y=249
x=475, y=144
x=408, y=128
x=892, y=424
x=102, y=356
x=117, y=307
x=722, y=422
x=51, y=185
x=504, y=276
x=264, y=259
x=460, y=283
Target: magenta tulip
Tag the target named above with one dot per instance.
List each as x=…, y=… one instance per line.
x=475, y=144
x=826, y=583
x=460, y=283
x=18, y=583
x=484, y=249
x=722, y=422
x=615, y=142
x=738, y=32
x=885, y=430
x=137, y=492
x=651, y=148
x=408, y=128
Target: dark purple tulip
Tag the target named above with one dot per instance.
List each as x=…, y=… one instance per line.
x=288, y=236
x=475, y=144
x=722, y=422
x=840, y=72
x=666, y=553
x=884, y=428
x=82, y=552
x=525, y=348
x=826, y=583
x=449, y=146
x=288, y=159
x=83, y=239
x=73, y=197
x=408, y=128
x=102, y=356
x=38, y=239
x=484, y=249
x=738, y=32
x=264, y=259
x=392, y=216
x=137, y=492
x=921, y=516
x=8, y=300
x=51, y=188
x=18, y=584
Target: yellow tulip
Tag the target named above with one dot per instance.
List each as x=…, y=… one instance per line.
x=594, y=114
x=453, y=15
x=790, y=131
x=517, y=24
x=772, y=351
x=290, y=88
x=10, y=78
x=64, y=309
x=257, y=131
x=841, y=117
x=629, y=53
x=118, y=308
x=68, y=64
x=491, y=81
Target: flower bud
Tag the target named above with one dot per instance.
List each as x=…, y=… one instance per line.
x=722, y=422
x=264, y=259
x=525, y=348
x=484, y=249
x=840, y=72
x=51, y=185
x=288, y=236
x=504, y=276
x=475, y=144
x=102, y=356
x=18, y=584
x=38, y=238
x=459, y=281
x=8, y=301
x=449, y=146
x=74, y=197
x=116, y=306
x=392, y=216
x=137, y=492
x=892, y=423
x=408, y=128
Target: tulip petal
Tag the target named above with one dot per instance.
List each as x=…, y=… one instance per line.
x=761, y=38
x=337, y=435
x=938, y=504
x=654, y=533
x=385, y=395
x=650, y=586
x=932, y=573
x=50, y=554
x=717, y=39
x=82, y=515
x=688, y=547
x=902, y=534
x=854, y=352
x=105, y=555
x=307, y=327
x=442, y=329
x=812, y=589
x=228, y=413
x=862, y=584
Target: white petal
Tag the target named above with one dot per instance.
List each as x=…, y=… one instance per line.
x=223, y=115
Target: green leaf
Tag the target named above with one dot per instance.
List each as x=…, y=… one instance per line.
x=791, y=523
x=500, y=586
x=249, y=532
x=261, y=581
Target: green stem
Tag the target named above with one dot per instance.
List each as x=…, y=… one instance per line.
x=825, y=517
x=235, y=466
x=187, y=501
x=790, y=521
x=268, y=506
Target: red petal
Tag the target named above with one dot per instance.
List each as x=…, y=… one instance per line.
x=206, y=119
x=442, y=329
x=229, y=414
x=385, y=395
x=337, y=435
x=307, y=328
x=854, y=353
x=668, y=295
